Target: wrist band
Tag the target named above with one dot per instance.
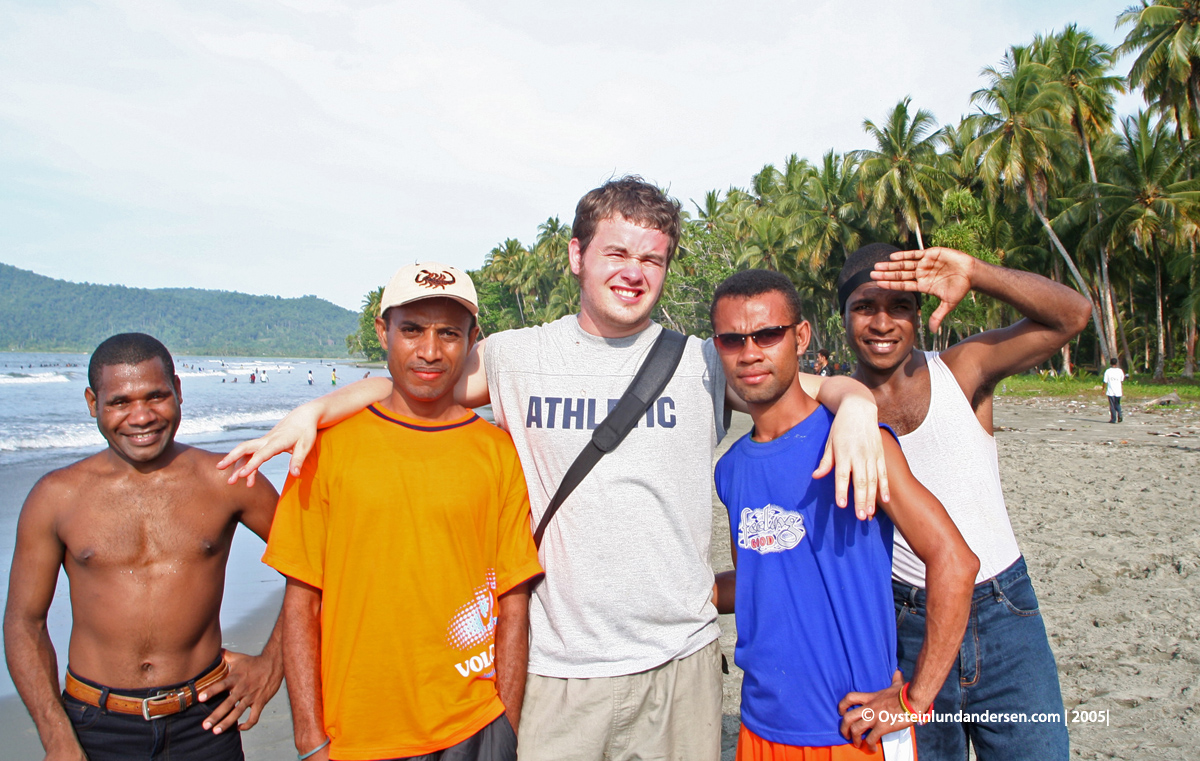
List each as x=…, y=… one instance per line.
x=920, y=719
x=314, y=751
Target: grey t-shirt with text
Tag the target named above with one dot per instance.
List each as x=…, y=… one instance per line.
x=628, y=581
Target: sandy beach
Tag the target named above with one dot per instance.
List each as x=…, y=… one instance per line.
x=1106, y=516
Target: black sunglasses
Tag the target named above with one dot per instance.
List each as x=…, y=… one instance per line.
x=763, y=338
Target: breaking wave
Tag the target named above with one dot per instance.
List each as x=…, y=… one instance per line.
x=22, y=378
x=85, y=435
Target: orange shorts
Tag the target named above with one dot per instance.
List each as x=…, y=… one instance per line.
x=751, y=747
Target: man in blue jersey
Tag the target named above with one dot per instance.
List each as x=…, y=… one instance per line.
x=812, y=589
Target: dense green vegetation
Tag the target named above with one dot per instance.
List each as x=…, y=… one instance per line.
x=43, y=314
x=1085, y=385
x=1043, y=175
x=364, y=340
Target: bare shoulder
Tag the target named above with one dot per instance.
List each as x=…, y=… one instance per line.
x=201, y=466
x=200, y=458
x=62, y=490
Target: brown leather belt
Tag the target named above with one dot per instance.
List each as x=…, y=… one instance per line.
x=165, y=703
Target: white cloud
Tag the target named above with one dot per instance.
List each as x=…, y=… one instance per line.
x=312, y=146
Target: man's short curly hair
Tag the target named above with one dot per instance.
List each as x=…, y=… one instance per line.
x=749, y=283
x=128, y=349
x=634, y=199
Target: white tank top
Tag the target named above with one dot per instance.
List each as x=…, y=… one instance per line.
x=955, y=458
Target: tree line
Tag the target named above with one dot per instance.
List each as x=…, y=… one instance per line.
x=39, y=313
x=1042, y=175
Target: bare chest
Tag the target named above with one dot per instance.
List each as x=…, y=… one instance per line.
x=904, y=408
x=117, y=529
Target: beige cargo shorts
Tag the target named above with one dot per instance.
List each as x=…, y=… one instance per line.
x=669, y=713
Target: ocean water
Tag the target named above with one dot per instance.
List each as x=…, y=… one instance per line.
x=44, y=424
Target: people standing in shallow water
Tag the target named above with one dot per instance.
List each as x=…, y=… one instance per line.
x=310, y=378
x=941, y=405
x=143, y=531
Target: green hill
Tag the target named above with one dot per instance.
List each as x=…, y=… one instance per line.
x=39, y=313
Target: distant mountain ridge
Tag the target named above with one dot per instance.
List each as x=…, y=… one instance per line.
x=39, y=313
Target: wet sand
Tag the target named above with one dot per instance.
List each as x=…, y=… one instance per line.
x=1107, y=519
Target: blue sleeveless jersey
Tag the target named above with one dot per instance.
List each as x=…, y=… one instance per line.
x=815, y=617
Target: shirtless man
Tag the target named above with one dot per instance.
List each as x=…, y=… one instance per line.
x=940, y=404
x=143, y=531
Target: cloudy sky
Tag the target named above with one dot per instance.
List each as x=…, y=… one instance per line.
x=314, y=146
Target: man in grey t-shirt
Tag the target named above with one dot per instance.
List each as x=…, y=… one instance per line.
x=624, y=660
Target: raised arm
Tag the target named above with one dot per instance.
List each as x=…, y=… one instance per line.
x=1053, y=313
x=297, y=432
x=252, y=680
x=950, y=569
x=28, y=650
x=298, y=429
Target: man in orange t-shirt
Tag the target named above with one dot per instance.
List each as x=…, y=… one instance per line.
x=407, y=546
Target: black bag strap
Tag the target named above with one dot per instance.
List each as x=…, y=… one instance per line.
x=651, y=379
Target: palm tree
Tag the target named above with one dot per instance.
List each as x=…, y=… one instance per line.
x=372, y=301
x=769, y=242
x=830, y=213
x=714, y=211
x=1019, y=139
x=1148, y=202
x=364, y=340
x=959, y=165
x=1081, y=65
x=504, y=264
x=1166, y=37
x=831, y=224
x=767, y=185
x=900, y=177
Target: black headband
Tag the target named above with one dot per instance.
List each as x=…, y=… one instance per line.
x=854, y=281
x=847, y=288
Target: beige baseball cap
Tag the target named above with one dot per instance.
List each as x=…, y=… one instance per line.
x=427, y=280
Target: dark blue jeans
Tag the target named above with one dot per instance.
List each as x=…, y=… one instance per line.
x=1004, y=666
x=109, y=736
x=1114, y=409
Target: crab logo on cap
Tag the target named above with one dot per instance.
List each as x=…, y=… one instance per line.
x=434, y=279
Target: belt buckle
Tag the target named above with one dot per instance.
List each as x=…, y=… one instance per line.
x=165, y=694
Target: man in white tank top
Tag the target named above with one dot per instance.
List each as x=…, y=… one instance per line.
x=941, y=406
